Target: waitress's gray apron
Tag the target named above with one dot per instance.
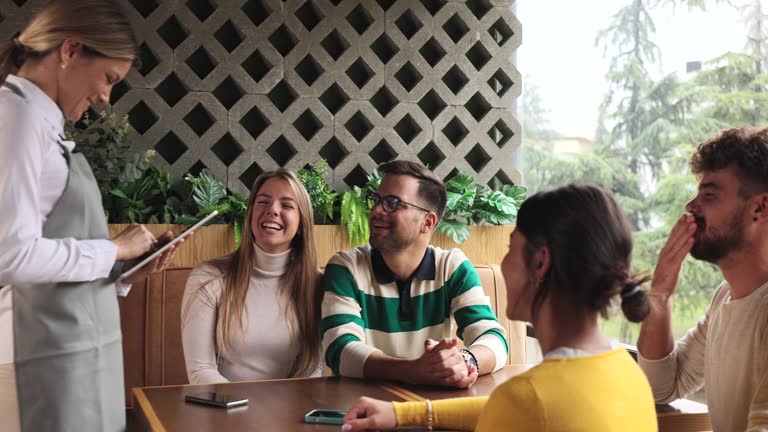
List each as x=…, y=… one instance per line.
x=67, y=341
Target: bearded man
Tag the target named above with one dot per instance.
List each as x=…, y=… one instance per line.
x=387, y=306
x=726, y=225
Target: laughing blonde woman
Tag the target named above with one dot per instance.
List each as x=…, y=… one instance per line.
x=254, y=314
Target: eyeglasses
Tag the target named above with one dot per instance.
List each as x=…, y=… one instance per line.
x=389, y=203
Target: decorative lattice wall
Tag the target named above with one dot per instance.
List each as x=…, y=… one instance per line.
x=241, y=87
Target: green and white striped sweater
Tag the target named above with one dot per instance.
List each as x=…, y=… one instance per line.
x=360, y=316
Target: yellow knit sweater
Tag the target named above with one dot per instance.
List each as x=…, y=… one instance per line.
x=604, y=392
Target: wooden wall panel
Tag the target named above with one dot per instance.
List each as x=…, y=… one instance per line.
x=133, y=323
x=151, y=314
x=486, y=244
x=206, y=243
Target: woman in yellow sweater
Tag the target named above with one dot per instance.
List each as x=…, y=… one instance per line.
x=567, y=264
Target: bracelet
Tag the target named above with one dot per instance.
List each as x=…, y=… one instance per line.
x=429, y=415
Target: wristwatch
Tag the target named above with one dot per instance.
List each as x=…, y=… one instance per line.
x=470, y=359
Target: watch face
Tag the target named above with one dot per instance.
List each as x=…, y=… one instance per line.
x=469, y=359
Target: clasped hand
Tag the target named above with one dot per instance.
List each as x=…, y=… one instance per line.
x=443, y=364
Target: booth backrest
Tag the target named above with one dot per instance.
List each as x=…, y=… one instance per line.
x=151, y=322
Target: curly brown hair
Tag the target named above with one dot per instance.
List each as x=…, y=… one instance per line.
x=746, y=148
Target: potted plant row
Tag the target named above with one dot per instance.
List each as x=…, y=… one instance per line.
x=135, y=191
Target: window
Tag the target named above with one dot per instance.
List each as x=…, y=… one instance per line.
x=618, y=93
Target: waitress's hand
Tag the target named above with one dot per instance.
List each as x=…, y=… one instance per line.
x=370, y=414
x=133, y=242
x=158, y=264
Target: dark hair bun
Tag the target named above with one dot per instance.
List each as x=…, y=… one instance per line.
x=634, y=302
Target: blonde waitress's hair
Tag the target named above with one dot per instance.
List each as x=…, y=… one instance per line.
x=105, y=32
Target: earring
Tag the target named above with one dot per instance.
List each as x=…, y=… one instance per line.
x=64, y=65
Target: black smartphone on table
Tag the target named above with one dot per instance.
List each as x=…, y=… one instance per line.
x=219, y=400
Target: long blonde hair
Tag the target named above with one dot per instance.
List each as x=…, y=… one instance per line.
x=106, y=32
x=300, y=280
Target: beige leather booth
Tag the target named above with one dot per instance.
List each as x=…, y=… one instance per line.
x=151, y=322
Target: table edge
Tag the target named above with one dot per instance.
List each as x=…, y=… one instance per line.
x=146, y=409
x=233, y=382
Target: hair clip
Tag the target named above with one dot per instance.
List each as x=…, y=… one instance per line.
x=629, y=292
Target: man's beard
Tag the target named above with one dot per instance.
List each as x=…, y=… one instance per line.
x=713, y=249
x=392, y=242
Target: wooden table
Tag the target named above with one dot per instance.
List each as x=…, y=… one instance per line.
x=683, y=415
x=274, y=405
x=280, y=405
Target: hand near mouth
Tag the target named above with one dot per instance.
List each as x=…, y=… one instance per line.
x=699, y=221
x=671, y=256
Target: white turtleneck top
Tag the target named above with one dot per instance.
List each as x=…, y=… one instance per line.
x=265, y=350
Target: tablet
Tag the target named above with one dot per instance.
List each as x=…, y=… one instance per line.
x=146, y=259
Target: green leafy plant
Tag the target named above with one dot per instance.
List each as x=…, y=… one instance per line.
x=135, y=191
x=472, y=203
x=354, y=210
x=208, y=194
x=354, y=215
x=105, y=142
x=146, y=199
x=321, y=195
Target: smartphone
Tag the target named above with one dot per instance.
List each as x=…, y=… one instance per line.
x=325, y=416
x=220, y=400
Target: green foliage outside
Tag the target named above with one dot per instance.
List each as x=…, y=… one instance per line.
x=647, y=130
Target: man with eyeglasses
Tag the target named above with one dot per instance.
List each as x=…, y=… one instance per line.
x=387, y=306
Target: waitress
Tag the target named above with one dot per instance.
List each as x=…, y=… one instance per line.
x=61, y=358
